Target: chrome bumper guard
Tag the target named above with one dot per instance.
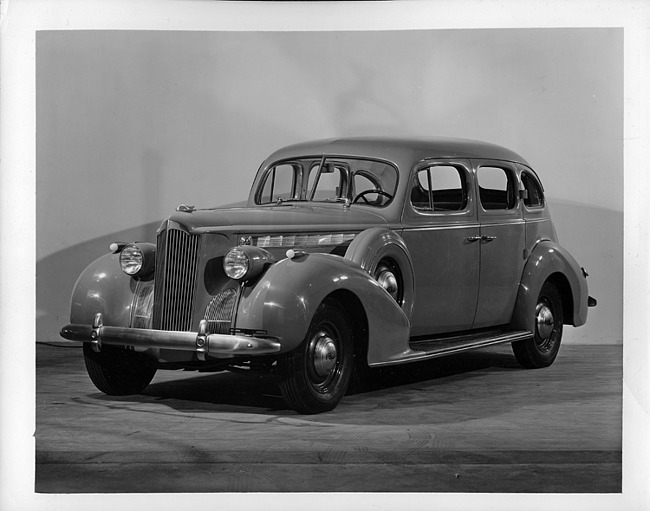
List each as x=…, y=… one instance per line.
x=200, y=342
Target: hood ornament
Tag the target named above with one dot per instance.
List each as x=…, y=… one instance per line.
x=185, y=209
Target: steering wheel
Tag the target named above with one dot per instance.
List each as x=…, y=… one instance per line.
x=363, y=194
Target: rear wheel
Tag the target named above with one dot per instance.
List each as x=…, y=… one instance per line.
x=542, y=348
x=315, y=376
x=117, y=371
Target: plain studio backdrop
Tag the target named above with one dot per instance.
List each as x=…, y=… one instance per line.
x=130, y=124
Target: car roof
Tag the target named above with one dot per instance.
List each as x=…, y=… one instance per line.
x=403, y=151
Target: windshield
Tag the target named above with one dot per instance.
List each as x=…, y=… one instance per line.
x=329, y=179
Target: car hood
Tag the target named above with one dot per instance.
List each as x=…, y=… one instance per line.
x=285, y=218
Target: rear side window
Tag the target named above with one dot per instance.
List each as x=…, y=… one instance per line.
x=534, y=197
x=496, y=188
x=439, y=188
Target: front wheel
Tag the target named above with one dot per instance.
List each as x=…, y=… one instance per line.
x=117, y=371
x=315, y=376
x=542, y=348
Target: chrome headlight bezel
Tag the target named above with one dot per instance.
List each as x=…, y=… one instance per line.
x=138, y=260
x=236, y=263
x=246, y=262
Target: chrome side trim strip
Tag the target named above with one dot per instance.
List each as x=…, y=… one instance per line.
x=442, y=227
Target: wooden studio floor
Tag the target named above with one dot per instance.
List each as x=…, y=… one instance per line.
x=474, y=422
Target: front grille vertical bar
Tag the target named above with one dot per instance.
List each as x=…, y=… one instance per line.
x=186, y=282
x=192, y=271
x=182, y=283
x=169, y=256
x=160, y=280
x=181, y=278
x=173, y=279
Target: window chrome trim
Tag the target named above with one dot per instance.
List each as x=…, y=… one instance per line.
x=466, y=174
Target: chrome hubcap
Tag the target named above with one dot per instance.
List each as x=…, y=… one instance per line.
x=544, y=321
x=324, y=355
x=388, y=281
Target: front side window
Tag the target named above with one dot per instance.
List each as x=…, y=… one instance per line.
x=328, y=182
x=439, y=188
x=496, y=188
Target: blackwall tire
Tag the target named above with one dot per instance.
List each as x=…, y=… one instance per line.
x=117, y=371
x=542, y=349
x=314, y=377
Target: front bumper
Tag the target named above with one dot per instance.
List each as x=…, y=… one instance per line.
x=199, y=342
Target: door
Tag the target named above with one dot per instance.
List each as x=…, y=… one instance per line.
x=440, y=229
x=502, y=242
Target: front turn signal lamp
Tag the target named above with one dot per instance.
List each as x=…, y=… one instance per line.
x=246, y=262
x=138, y=259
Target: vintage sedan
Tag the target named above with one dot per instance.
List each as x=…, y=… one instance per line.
x=350, y=253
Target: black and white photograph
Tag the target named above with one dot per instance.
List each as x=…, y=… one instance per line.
x=373, y=255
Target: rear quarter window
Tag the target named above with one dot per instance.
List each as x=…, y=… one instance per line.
x=534, y=196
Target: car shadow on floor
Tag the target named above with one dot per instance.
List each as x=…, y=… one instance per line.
x=259, y=392
x=463, y=365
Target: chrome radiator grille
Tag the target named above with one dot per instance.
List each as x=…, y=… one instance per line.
x=220, y=312
x=176, y=268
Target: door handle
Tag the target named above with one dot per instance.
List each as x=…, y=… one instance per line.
x=472, y=239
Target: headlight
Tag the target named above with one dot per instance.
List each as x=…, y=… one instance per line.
x=236, y=263
x=138, y=260
x=246, y=262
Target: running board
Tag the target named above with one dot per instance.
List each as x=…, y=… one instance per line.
x=424, y=349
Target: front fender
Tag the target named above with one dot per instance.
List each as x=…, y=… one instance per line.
x=283, y=302
x=550, y=260
x=103, y=287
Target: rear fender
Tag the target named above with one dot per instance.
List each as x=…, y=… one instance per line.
x=283, y=301
x=547, y=261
